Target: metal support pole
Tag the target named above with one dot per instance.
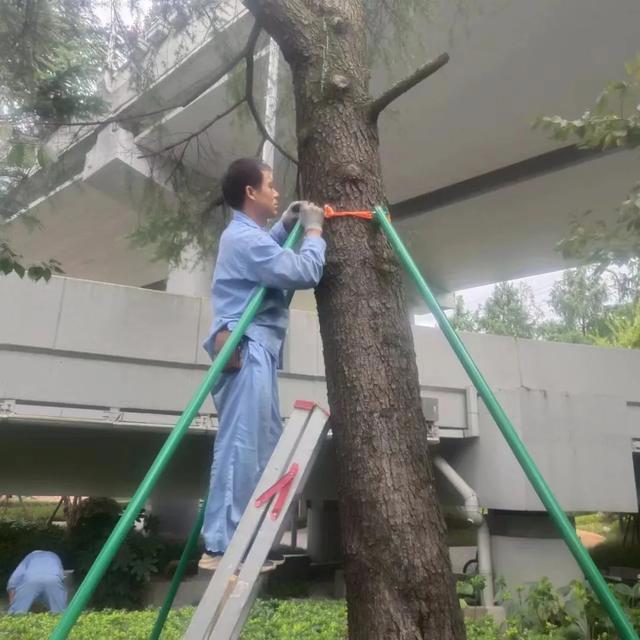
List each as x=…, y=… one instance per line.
x=564, y=526
x=190, y=545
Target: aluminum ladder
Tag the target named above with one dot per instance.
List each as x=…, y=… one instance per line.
x=228, y=599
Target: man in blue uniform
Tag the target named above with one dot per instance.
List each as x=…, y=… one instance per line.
x=38, y=577
x=246, y=396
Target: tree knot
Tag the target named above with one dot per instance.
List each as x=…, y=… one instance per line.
x=340, y=82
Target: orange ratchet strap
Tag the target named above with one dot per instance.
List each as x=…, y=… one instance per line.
x=330, y=212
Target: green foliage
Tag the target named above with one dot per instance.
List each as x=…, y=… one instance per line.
x=297, y=619
x=579, y=298
x=12, y=262
x=469, y=591
x=462, y=319
x=623, y=329
x=484, y=629
x=605, y=524
x=543, y=608
x=51, y=55
x=591, y=305
x=614, y=553
x=29, y=511
x=195, y=219
x=539, y=612
x=614, y=122
x=17, y=539
x=509, y=311
x=124, y=583
x=269, y=620
x=111, y=625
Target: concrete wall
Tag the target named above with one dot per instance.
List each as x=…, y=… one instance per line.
x=86, y=357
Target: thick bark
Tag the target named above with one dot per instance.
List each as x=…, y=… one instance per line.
x=399, y=580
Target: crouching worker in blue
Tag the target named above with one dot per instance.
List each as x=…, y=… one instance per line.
x=39, y=577
x=246, y=396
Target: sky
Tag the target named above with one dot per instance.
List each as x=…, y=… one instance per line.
x=473, y=298
x=103, y=10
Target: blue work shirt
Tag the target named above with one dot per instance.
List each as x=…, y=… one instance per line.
x=37, y=563
x=250, y=256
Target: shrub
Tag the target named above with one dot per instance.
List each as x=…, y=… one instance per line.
x=17, y=539
x=270, y=620
x=123, y=585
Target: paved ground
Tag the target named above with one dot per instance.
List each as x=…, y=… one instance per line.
x=590, y=539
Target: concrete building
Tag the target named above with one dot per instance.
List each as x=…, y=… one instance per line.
x=96, y=367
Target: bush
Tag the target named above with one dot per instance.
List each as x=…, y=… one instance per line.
x=539, y=612
x=124, y=583
x=297, y=620
x=102, y=625
x=270, y=620
x=613, y=553
x=17, y=539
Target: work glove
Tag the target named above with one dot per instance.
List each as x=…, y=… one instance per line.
x=311, y=216
x=291, y=215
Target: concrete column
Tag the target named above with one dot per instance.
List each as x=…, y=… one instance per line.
x=526, y=547
x=176, y=516
x=193, y=276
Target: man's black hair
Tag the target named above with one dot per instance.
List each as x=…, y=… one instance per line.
x=242, y=173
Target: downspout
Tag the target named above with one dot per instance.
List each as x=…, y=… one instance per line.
x=475, y=517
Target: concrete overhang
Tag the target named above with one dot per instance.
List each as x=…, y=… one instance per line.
x=86, y=221
x=467, y=238
x=511, y=61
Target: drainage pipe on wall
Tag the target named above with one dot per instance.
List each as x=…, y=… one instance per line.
x=475, y=517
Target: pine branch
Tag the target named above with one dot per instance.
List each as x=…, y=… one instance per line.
x=186, y=97
x=186, y=140
x=253, y=39
x=382, y=102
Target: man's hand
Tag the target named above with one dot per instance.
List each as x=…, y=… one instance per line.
x=312, y=218
x=291, y=215
x=12, y=595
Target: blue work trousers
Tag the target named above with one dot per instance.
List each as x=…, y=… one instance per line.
x=45, y=588
x=249, y=428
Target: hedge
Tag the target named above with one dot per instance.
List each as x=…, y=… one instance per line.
x=270, y=620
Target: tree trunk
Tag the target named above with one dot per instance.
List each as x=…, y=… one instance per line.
x=398, y=573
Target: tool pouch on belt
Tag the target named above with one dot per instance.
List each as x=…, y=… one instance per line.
x=235, y=361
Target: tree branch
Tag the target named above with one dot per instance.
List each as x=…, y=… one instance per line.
x=187, y=96
x=250, y=99
x=382, y=102
x=289, y=19
x=195, y=134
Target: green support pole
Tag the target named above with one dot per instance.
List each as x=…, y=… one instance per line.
x=190, y=545
x=564, y=526
x=122, y=528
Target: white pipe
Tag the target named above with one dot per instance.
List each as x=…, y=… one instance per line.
x=473, y=417
x=271, y=101
x=471, y=504
x=485, y=567
x=474, y=515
